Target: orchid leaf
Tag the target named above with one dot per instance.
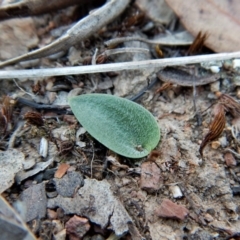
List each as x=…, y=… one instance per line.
x=119, y=124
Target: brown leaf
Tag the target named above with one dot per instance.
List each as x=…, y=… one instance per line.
x=219, y=18
x=230, y=104
x=216, y=127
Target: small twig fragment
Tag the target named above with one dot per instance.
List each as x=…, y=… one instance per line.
x=216, y=127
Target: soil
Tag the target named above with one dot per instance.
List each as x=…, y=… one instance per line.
x=105, y=195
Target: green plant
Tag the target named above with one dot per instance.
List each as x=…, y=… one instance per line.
x=120, y=124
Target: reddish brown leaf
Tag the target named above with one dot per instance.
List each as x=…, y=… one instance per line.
x=216, y=127
x=219, y=18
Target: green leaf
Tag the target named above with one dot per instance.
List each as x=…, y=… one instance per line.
x=120, y=124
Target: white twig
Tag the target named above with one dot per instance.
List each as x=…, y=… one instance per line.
x=157, y=63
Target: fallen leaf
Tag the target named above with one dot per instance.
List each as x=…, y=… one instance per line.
x=158, y=10
x=219, y=18
x=17, y=37
x=216, y=127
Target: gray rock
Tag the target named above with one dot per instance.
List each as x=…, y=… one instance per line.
x=67, y=185
x=36, y=201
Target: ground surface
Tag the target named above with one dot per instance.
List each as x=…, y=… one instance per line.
x=81, y=190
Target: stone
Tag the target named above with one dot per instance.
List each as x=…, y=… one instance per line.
x=10, y=164
x=67, y=185
x=96, y=201
x=77, y=227
x=36, y=201
x=169, y=209
x=150, y=177
x=230, y=160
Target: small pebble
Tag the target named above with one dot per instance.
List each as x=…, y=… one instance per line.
x=176, y=191
x=215, y=144
x=230, y=160
x=215, y=87
x=169, y=209
x=77, y=227
x=215, y=69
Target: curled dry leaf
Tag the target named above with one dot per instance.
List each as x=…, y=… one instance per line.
x=216, y=127
x=229, y=103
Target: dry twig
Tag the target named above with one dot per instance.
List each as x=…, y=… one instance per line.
x=156, y=63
